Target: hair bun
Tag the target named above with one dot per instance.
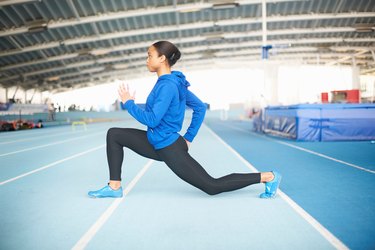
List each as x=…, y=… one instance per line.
x=175, y=56
x=169, y=50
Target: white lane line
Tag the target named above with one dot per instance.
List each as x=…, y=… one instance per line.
x=49, y=144
x=34, y=138
x=45, y=132
x=51, y=164
x=86, y=238
x=304, y=149
x=305, y=215
x=37, y=137
x=23, y=133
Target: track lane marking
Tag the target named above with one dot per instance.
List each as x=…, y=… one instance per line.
x=304, y=149
x=305, y=215
x=87, y=237
x=49, y=144
x=52, y=164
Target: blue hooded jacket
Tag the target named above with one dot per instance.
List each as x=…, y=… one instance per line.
x=165, y=110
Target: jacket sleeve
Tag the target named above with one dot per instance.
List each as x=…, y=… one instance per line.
x=152, y=118
x=199, y=111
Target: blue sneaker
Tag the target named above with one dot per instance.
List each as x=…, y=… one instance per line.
x=106, y=192
x=272, y=186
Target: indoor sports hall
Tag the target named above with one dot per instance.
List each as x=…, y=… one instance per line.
x=288, y=86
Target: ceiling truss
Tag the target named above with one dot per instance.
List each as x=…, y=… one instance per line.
x=59, y=44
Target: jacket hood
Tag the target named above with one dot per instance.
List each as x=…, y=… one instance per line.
x=180, y=80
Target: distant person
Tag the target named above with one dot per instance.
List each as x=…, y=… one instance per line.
x=51, y=112
x=39, y=124
x=163, y=116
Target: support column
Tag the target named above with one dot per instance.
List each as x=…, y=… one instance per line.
x=355, y=78
x=271, y=83
x=15, y=92
x=265, y=47
x=32, y=97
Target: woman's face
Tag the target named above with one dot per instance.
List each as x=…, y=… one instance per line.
x=153, y=59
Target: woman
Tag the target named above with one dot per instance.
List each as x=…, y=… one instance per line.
x=163, y=116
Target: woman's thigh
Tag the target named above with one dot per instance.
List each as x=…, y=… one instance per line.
x=134, y=139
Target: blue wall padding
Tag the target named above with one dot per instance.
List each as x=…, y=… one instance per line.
x=321, y=122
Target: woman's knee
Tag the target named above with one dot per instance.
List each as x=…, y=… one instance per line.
x=112, y=133
x=211, y=191
x=211, y=188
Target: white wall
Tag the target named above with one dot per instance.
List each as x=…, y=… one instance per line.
x=224, y=85
x=38, y=98
x=368, y=87
x=219, y=88
x=2, y=95
x=304, y=84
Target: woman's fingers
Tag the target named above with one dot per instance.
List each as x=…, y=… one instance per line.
x=122, y=88
x=124, y=92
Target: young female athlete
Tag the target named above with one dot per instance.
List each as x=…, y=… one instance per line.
x=163, y=116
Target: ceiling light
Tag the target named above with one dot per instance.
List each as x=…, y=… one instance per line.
x=364, y=27
x=190, y=10
x=92, y=70
x=53, y=78
x=36, y=26
x=37, y=29
x=186, y=8
x=224, y=5
x=213, y=36
x=99, y=52
x=84, y=52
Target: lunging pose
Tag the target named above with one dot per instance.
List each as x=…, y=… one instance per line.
x=163, y=116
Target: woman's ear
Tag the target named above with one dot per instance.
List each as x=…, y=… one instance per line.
x=162, y=58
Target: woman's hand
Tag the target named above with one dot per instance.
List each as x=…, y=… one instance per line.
x=187, y=143
x=124, y=93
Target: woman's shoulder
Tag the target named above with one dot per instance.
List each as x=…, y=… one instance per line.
x=166, y=85
x=166, y=81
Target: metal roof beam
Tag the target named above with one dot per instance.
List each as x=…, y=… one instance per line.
x=187, y=50
x=49, y=59
x=349, y=57
x=170, y=28
x=14, y=2
x=105, y=37
x=190, y=50
x=366, y=71
x=170, y=9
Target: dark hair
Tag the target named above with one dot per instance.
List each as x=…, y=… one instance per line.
x=169, y=50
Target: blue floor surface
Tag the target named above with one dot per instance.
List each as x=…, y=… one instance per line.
x=47, y=206
x=337, y=195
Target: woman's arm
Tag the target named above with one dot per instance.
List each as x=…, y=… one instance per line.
x=199, y=111
x=151, y=118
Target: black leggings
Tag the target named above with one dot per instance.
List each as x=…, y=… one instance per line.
x=176, y=157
